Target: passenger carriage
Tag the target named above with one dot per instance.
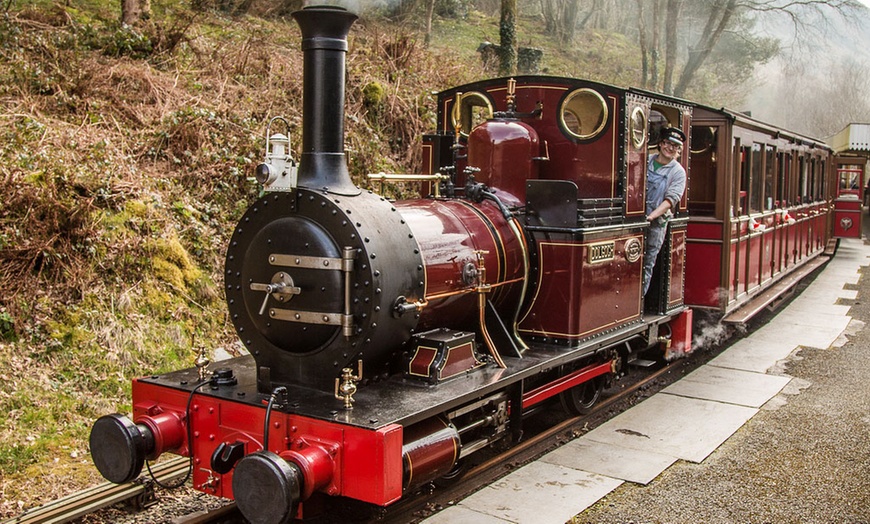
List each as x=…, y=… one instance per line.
x=760, y=204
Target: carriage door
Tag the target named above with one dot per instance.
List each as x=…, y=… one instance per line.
x=848, y=198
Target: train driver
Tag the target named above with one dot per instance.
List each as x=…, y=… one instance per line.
x=665, y=183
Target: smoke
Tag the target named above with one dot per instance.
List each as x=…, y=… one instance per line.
x=359, y=7
x=710, y=333
x=354, y=6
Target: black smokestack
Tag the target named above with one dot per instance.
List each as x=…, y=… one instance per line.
x=324, y=46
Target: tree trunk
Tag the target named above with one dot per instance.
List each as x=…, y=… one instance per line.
x=592, y=11
x=720, y=15
x=569, y=21
x=430, y=10
x=656, y=42
x=644, y=52
x=508, y=38
x=550, y=12
x=135, y=11
x=671, y=17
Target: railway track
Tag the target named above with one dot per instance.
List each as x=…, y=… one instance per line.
x=141, y=493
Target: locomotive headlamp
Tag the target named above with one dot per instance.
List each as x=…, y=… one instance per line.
x=265, y=174
x=278, y=172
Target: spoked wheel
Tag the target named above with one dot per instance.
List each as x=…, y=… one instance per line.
x=580, y=399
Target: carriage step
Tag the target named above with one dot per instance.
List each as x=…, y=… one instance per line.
x=643, y=363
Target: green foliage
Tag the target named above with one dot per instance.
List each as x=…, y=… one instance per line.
x=7, y=326
x=126, y=41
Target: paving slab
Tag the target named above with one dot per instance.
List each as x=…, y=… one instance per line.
x=811, y=319
x=633, y=465
x=733, y=386
x=751, y=354
x=538, y=493
x=682, y=427
x=814, y=305
x=782, y=329
x=461, y=514
x=825, y=295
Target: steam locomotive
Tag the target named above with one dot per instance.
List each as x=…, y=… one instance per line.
x=391, y=339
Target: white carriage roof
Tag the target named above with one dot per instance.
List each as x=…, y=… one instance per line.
x=854, y=137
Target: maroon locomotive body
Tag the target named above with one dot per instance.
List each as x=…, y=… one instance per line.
x=390, y=339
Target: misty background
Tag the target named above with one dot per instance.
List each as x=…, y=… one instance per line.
x=802, y=65
x=820, y=81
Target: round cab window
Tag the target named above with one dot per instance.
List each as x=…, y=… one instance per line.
x=637, y=127
x=703, y=139
x=471, y=110
x=658, y=121
x=584, y=114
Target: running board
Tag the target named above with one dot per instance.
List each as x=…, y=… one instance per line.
x=774, y=293
x=831, y=247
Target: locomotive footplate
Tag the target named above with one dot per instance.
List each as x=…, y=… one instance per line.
x=397, y=400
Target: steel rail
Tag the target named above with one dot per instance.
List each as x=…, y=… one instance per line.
x=103, y=495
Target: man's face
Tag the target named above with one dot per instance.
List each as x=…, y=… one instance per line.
x=669, y=150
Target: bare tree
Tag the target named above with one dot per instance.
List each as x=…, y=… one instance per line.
x=644, y=49
x=832, y=98
x=430, y=12
x=560, y=17
x=717, y=18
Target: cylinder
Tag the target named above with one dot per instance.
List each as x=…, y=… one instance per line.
x=429, y=451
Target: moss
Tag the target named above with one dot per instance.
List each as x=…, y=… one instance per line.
x=137, y=208
x=172, y=264
x=373, y=95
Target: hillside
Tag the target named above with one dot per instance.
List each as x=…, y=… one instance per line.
x=126, y=159
x=125, y=162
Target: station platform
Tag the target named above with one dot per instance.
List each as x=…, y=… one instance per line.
x=733, y=441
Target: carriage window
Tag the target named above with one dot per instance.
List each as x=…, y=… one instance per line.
x=743, y=186
x=823, y=179
x=702, y=190
x=802, y=181
x=849, y=178
x=637, y=127
x=584, y=114
x=782, y=180
x=756, y=173
x=473, y=108
x=819, y=174
x=769, y=169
